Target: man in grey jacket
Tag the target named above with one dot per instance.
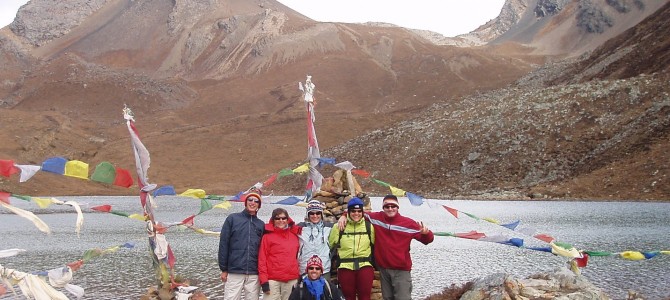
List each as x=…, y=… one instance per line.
x=238, y=250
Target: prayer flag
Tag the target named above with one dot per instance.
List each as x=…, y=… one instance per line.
x=396, y=191
x=454, y=212
x=362, y=173
x=104, y=172
x=27, y=171
x=54, y=165
x=4, y=196
x=512, y=225
x=224, y=205
x=415, y=200
x=102, y=208
x=164, y=190
x=204, y=206
x=194, y=193
x=123, y=178
x=289, y=201
x=270, y=180
x=302, y=168
x=77, y=169
x=7, y=168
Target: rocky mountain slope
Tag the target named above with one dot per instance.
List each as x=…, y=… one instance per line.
x=558, y=27
x=213, y=85
x=595, y=128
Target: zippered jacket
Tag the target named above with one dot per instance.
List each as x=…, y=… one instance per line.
x=314, y=241
x=393, y=239
x=278, y=255
x=354, y=245
x=239, y=243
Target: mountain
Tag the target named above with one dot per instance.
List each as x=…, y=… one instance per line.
x=213, y=85
x=558, y=27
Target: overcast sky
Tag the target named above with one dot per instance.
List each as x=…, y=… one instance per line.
x=448, y=17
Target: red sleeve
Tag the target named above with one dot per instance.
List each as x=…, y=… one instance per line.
x=262, y=260
x=425, y=238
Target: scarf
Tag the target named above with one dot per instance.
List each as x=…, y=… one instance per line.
x=315, y=286
x=319, y=228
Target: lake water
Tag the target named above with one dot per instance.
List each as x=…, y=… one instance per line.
x=126, y=274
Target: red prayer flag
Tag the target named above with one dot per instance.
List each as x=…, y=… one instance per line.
x=102, y=208
x=544, y=237
x=362, y=173
x=7, y=168
x=473, y=235
x=451, y=210
x=170, y=257
x=188, y=221
x=4, y=196
x=160, y=228
x=74, y=266
x=270, y=180
x=123, y=178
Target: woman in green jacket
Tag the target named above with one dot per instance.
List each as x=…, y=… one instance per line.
x=354, y=248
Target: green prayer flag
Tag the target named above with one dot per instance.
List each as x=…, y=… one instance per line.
x=381, y=182
x=598, y=253
x=104, y=172
x=563, y=245
x=119, y=213
x=471, y=216
x=204, y=206
x=22, y=197
x=285, y=172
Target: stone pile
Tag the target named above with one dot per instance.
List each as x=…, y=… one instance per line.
x=335, y=193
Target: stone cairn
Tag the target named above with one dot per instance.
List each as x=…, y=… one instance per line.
x=335, y=193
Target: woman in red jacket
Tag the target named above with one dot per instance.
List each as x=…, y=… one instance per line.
x=278, y=256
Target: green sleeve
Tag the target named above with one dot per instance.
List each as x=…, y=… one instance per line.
x=333, y=236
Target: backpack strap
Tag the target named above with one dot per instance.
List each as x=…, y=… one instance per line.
x=356, y=261
x=329, y=290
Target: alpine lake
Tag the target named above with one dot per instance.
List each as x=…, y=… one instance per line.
x=126, y=274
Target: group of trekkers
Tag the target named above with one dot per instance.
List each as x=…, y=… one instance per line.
x=293, y=261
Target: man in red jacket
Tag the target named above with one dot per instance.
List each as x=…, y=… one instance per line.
x=393, y=236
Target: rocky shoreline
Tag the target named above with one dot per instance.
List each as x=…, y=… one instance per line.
x=559, y=283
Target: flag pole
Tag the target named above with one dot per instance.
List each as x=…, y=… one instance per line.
x=315, y=178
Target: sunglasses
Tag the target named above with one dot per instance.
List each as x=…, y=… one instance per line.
x=314, y=268
x=311, y=213
x=253, y=200
x=356, y=211
x=281, y=218
x=390, y=206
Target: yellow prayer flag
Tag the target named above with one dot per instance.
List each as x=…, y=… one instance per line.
x=558, y=250
x=42, y=202
x=632, y=255
x=224, y=204
x=111, y=249
x=138, y=217
x=302, y=168
x=396, y=191
x=76, y=168
x=666, y=252
x=194, y=193
x=207, y=232
x=491, y=220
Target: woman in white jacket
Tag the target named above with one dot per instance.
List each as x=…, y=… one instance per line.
x=314, y=238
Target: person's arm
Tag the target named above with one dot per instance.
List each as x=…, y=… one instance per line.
x=342, y=221
x=333, y=237
x=224, y=241
x=262, y=266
